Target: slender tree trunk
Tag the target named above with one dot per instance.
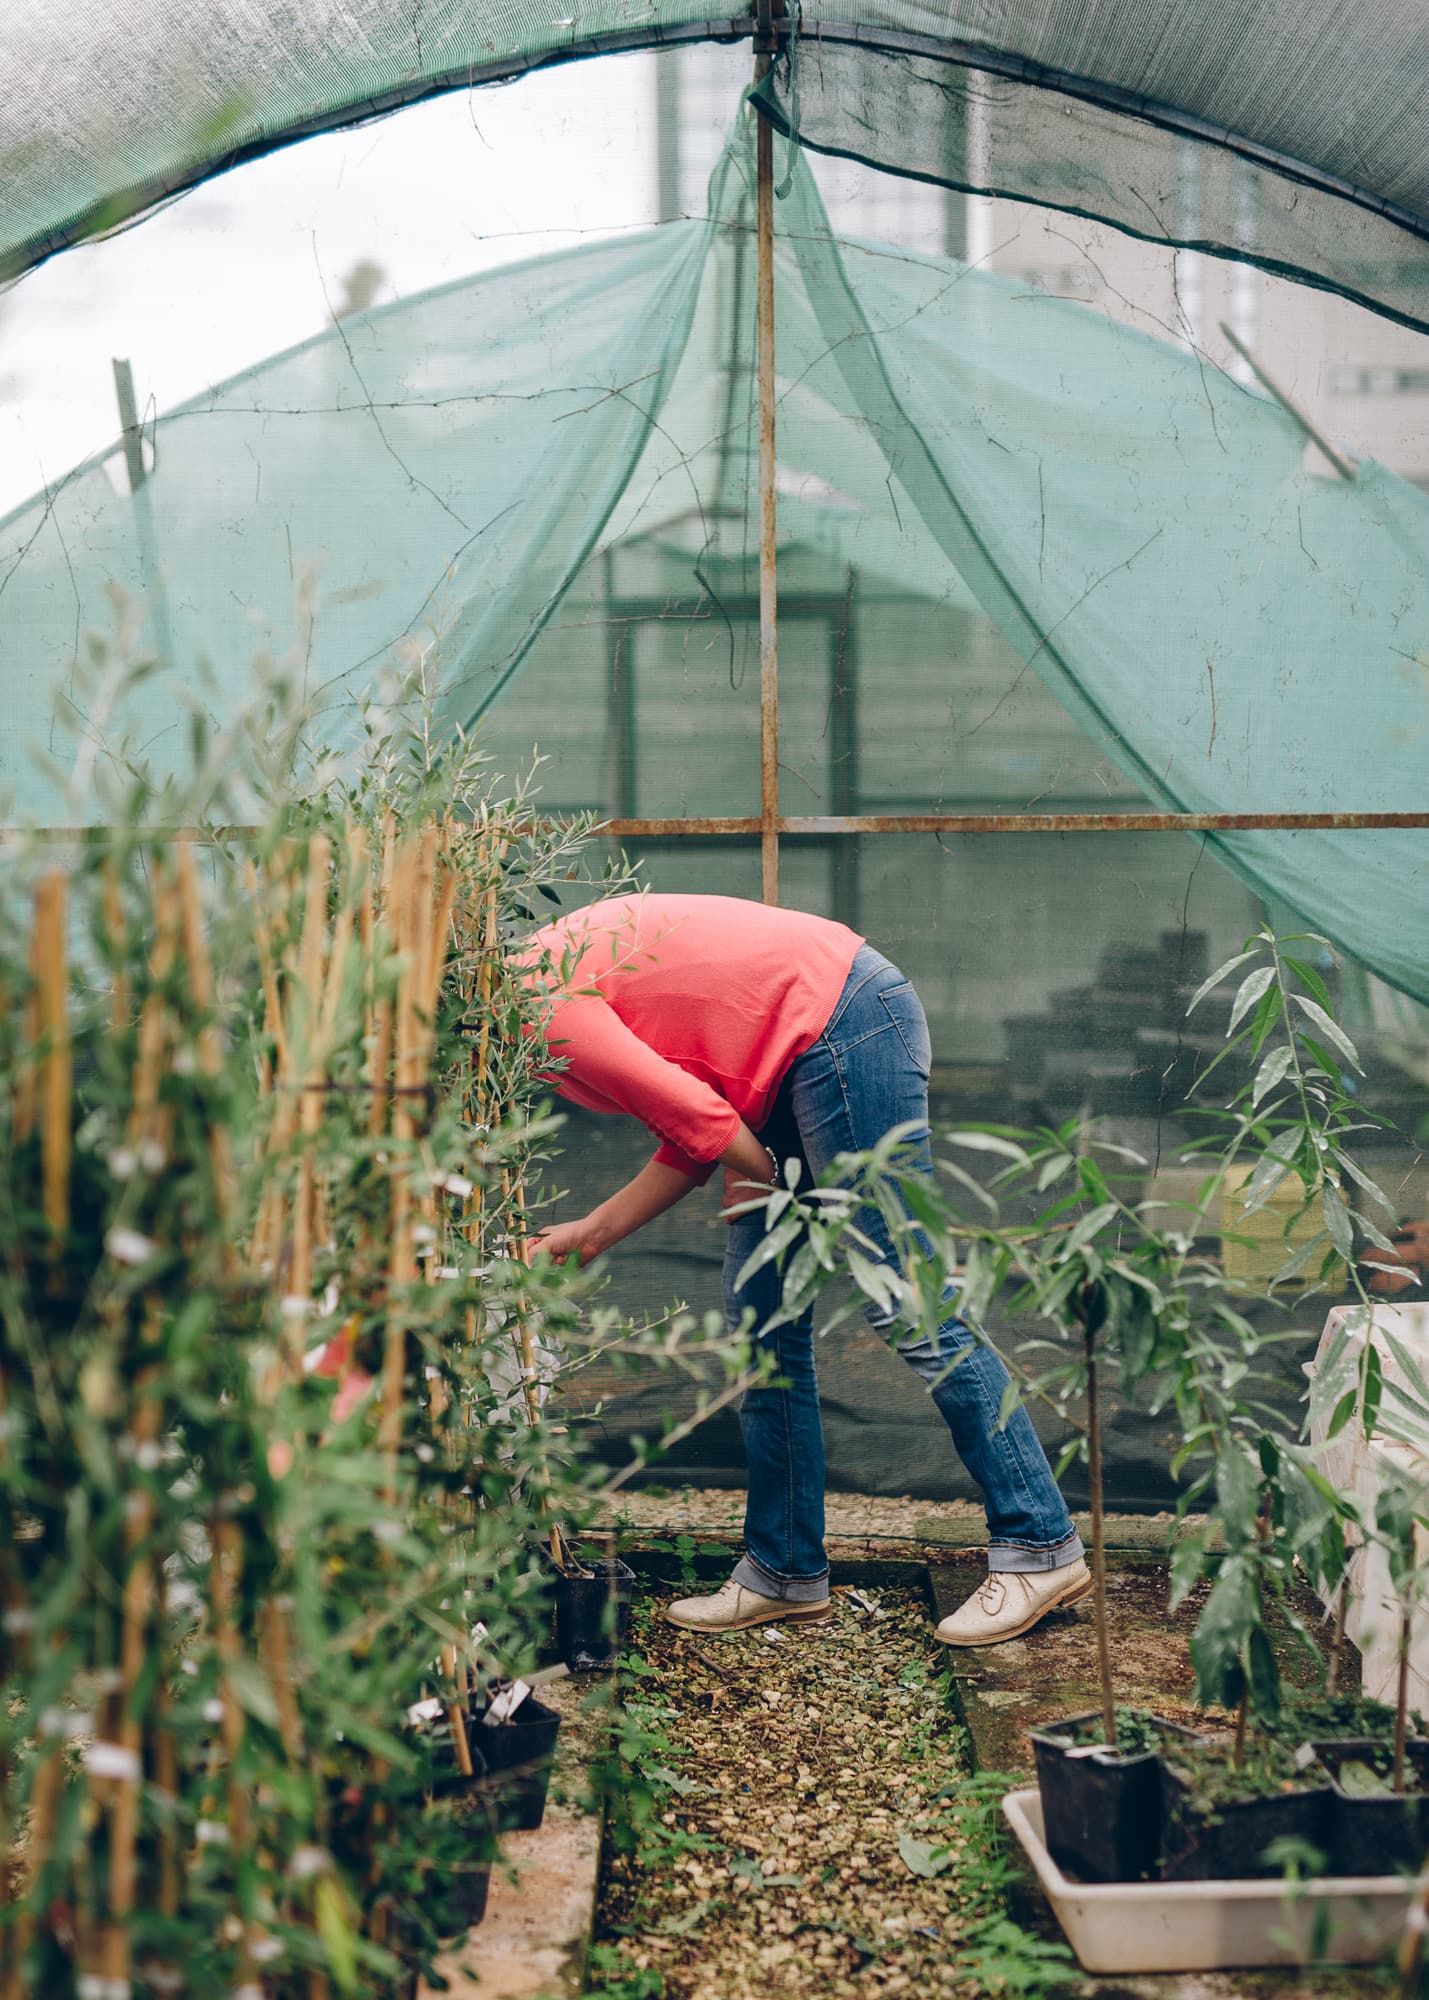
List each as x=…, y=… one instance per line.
x=1094, y=1477
x=1401, y=1695
x=1241, y=1719
x=1337, y=1634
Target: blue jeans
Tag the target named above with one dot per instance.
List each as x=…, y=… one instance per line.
x=867, y=1072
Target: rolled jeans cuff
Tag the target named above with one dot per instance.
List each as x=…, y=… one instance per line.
x=789, y=1589
x=1025, y=1556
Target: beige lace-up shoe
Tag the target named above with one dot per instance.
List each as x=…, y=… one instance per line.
x=733, y=1607
x=1011, y=1602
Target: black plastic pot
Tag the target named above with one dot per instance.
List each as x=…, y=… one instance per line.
x=1227, y=1842
x=517, y=1756
x=458, y=1897
x=593, y=1614
x=1101, y=1811
x=1377, y=1835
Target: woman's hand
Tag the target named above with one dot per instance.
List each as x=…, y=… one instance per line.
x=739, y=1188
x=582, y=1238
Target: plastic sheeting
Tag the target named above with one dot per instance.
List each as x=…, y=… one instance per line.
x=1292, y=135
x=1239, y=629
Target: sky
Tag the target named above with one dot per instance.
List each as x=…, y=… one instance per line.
x=249, y=263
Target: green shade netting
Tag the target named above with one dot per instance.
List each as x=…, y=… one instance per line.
x=1239, y=632
x=1292, y=134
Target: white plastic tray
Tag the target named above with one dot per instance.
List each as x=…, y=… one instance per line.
x=1207, y=1926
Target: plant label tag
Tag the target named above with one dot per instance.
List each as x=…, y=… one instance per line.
x=504, y=1705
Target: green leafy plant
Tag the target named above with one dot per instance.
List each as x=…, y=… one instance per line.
x=1056, y=1226
x=269, y=1101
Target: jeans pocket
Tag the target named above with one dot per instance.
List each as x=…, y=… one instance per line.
x=905, y=1011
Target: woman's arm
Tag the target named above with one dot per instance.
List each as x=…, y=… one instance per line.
x=654, y=1189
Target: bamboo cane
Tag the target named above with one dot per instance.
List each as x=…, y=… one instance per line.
x=57, y=1071
x=382, y=1013
x=274, y=1023
x=307, y=1013
x=117, y=932
x=278, y=1659
x=225, y=1570
x=263, y=1249
x=456, y=1718
x=166, y=1778
x=27, y=1080
x=44, y=1812
x=129, y=1731
x=514, y=1197
x=149, y=1124
x=401, y=1267
x=210, y=1051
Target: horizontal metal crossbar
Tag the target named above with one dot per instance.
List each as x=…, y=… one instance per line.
x=819, y=827
x=1127, y=822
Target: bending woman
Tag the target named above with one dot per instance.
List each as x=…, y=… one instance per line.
x=743, y=1036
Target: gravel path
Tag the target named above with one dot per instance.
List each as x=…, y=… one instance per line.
x=801, y=1840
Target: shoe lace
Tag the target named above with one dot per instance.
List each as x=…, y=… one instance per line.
x=992, y=1593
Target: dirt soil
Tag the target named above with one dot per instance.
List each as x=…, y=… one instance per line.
x=808, y=1777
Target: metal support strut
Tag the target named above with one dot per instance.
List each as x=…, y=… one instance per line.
x=768, y=579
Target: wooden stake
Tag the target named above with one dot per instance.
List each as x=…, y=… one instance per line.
x=45, y=1791
x=147, y=1124
x=166, y=1778
x=133, y=1647
x=455, y=1716
x=225, y=1570
x=278, y=1660
x=210, y=1051
x=274, y=1023
x=492, y=850
x=381, y=1048
x=307, y=1011
x=528, y=1348
x=401, y=1265
x=118, y=932
x=57, y=1069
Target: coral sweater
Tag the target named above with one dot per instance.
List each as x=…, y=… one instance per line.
x=686, y=1011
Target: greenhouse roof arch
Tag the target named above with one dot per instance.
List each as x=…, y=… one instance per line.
x=1292, y=137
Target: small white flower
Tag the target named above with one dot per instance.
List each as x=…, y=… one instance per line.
x=112, y=1760
x=127, y=1246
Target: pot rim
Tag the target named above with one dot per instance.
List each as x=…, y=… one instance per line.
x=1102, y=1753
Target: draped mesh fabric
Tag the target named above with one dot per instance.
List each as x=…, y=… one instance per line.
x=1291, y=134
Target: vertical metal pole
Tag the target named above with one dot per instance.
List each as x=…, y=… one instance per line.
x=768, y=583
x=143, y=511
x=844, y=787
x=129, y=423
x=667, y=135
x=621, y=775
